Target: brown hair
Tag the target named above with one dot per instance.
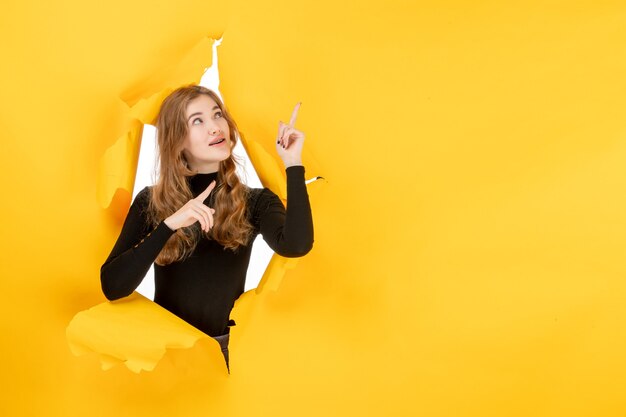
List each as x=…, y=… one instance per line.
x=171, y=192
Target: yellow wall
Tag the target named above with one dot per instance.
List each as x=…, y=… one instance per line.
x=469, y=237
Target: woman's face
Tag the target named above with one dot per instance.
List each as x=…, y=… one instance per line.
x=208, y=140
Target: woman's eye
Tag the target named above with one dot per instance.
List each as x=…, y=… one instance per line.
x=194, y=121
x=218, y=114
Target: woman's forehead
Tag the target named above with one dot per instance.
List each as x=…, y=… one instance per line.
x=202, y=103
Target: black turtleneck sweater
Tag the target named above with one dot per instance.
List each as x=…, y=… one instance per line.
x=202, y=288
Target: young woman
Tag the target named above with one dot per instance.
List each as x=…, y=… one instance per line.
x=198, y=222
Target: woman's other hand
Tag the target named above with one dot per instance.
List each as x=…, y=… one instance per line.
x=193, y=211
x=289, y=141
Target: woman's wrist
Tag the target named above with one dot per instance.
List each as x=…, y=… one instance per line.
x=292, y=163
x=168, y=223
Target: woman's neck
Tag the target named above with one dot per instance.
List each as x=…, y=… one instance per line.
x=205, y=168
x=200, y=181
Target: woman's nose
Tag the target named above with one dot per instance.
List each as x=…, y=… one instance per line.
x=214, y=130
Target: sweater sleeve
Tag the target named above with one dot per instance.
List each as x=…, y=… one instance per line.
x=289, y=232
x=134, y=252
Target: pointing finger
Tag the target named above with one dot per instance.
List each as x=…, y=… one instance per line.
x=294, y=115
x=205, y=194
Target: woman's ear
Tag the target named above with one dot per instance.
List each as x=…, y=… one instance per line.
x=183, y=160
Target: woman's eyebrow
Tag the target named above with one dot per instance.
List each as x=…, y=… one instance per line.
x=195, y=114
x=199, y=113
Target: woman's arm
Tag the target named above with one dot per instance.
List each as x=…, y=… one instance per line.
x=288, y=232
x=134, y=252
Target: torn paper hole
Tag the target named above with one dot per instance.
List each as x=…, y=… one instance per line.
x=149, y=329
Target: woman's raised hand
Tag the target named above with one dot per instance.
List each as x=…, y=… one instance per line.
x=290, y=140
x=193, y=211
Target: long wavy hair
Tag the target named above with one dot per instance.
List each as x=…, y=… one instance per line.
x=231, y=228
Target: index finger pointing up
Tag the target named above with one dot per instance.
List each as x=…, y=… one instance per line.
x=205, y=194
x=292, y=121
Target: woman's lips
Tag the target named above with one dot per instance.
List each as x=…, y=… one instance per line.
x=217, y=142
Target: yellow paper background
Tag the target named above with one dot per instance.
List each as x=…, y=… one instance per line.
x=468, y=253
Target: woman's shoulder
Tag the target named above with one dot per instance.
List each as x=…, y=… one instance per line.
x=142, y=199
x=144, y=193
